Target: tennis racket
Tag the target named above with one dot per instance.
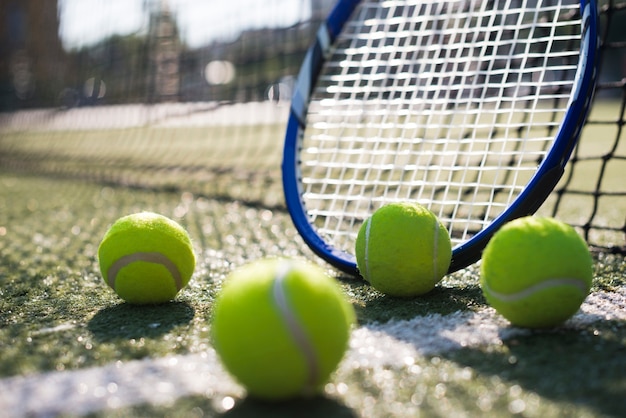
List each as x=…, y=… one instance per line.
x=468, y=107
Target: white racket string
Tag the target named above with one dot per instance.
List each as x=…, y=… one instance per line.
x=451, y=103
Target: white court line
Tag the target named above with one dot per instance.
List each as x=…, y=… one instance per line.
x=141, y=115
x=162, y=381
x=154, y=381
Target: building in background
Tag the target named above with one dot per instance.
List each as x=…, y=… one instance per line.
x=320, y=9
x=164, y=54
x=33, y=64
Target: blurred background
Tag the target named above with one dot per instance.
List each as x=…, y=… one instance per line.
x=68, y=53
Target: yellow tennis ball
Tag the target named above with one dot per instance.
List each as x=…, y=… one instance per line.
x=403, y=250
x=281, y=327
x=536, y=272
x=146, y=258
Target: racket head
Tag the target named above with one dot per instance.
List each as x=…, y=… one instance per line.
x=369, y=126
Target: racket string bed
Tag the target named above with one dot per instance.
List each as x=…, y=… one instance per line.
x=453, y=104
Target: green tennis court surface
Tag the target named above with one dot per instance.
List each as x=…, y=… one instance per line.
x=70, y=347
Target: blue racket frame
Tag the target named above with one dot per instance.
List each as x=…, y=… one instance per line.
x=527, y=202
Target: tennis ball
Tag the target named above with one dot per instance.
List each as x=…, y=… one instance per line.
x=403, y=250
x=536, y=272
x=146, y=258
x=281, y=327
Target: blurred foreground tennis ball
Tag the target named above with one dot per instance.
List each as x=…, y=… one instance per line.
x=146, y=258
x=281, y=327
x=536, y=272
x=403, y=250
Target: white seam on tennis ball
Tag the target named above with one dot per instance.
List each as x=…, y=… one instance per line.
x=547, y=284
x=368, y=226
x=148, y=257
x=293, y=326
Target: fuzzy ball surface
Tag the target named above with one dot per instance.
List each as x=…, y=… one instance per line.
x=146, y=258
x=281, y=327
x=403, y=250
x=536, y=272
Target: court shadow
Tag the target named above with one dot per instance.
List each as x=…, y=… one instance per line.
x=126, y=321
x=583, y=367
x=442, y=300
x=319, y=406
